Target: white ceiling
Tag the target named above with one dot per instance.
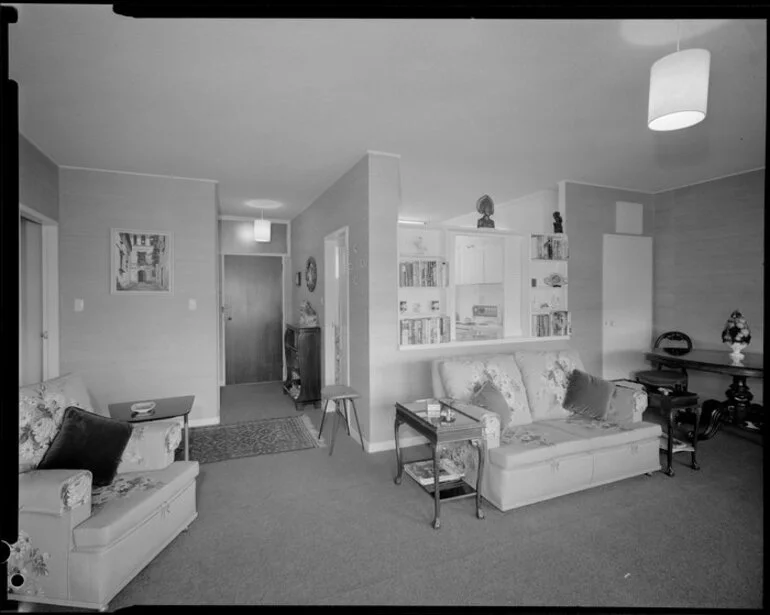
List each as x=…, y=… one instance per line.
x=280, y=109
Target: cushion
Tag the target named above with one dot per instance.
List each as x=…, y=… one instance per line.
x=87, y=441
x=544, y=374
x=41, y=409
x=588, y=395
x=463, y=377
x=490, y=397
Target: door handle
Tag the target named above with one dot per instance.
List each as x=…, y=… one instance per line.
x=44, y=335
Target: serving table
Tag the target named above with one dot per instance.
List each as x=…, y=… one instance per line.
x=438, y=432
x=737, y=409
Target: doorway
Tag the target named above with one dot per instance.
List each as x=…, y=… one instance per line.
x=336, y=339
x=38, y=297
x=253, y=318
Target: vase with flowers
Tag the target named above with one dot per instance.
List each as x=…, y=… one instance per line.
x=736, y=334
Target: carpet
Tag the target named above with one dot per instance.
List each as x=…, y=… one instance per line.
x=248, y=439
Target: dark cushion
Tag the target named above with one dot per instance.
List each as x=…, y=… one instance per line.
x=588, y=395
x=489, y=397
x=88, y=441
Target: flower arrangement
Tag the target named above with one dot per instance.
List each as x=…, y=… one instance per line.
x=736, y=333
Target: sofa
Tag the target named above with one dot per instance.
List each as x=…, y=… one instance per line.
x=79, y=545
x=545, y=451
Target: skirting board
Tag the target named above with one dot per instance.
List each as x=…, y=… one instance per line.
x=390, y=445
x=204, y=422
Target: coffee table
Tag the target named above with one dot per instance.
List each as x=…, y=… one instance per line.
x=165, y=408
x=437, y=431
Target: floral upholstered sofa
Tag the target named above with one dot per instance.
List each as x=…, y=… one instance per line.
x=545, y=451
x=79, y=545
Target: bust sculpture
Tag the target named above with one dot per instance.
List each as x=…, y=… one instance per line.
x=558, y=227
x=486, y=207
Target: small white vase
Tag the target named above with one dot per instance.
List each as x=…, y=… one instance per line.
x=736, y=348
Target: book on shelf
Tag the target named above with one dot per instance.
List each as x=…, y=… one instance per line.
x=426, y=330
x=550, y=247
x=560, y=322
x=422, y=471
x=423, y=273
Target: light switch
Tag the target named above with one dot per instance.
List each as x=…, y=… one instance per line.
x=78, y=305
x=192, y=304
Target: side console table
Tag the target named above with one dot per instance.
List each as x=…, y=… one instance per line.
x=438, y=431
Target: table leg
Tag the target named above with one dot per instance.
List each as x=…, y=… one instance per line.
x=670, y=415
x=437, y=491
x=481, y=447
x=399, y=464
x=695, y=438
x=186, y=438
x=712, y=416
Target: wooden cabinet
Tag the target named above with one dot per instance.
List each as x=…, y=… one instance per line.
x=302, y=346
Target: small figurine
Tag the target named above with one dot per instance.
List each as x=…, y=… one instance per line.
x=486, y=207
x=558, y=227
x=308, y=317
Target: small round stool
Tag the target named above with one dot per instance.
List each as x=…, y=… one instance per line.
x=344, y=394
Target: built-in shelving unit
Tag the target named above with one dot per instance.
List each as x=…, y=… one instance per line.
x=480, y=286
x=548, y=306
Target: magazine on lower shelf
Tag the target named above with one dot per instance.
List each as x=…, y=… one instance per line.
x=422, y=471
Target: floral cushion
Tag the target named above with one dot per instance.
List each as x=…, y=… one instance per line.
x=545, y=375
x=41, y=409
x=463, y=377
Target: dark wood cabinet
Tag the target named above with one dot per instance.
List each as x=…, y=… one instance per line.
x=302, y=346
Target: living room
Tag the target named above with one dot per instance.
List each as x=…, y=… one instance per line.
x=702, y=205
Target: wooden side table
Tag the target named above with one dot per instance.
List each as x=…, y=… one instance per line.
x=670, y=407
x=438, y=432
x=165, y=408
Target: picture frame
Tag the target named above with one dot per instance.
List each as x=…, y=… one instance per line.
x=141, y=262
x=298, y=279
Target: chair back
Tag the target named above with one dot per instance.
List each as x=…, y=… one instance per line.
x=674, y=342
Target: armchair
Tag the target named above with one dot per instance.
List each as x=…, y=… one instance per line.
x=79, y=545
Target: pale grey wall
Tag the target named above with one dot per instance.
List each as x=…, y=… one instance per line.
x=709, y=261
x=345, y=203
x=139, y=346
x=590, y=213
x=38, y=180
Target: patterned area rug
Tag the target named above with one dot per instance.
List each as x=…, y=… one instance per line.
x=265, y=437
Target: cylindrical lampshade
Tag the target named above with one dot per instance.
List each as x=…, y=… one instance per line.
x=262, y=230
x=679, y=88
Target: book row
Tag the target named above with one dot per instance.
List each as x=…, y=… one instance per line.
x=552, y=324
x=550, y=247
x=423, y=273
x=429, y=330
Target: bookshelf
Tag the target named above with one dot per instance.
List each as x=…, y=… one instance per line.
x=423, y=280
x=549, y=314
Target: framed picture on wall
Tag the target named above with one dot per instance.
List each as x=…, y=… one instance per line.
x=141, y=262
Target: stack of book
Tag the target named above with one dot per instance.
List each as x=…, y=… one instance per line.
x=551, y=324
x=422, y=471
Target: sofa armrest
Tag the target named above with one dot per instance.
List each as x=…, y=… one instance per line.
x=489, y=420
x=52, y=503
x=152, y=446
x=55, y=492
x=628, y=403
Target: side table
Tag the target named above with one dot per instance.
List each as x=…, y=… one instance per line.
x=438, y=431
x=670, y=407
x=165, y=408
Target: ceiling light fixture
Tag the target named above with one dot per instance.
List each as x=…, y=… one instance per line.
x=413, y=222
x=679, y=87
x=262, y=229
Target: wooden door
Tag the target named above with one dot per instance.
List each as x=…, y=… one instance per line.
x=254, y=319
x=626, y=304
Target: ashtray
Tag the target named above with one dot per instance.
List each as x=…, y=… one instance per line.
x=143, y=407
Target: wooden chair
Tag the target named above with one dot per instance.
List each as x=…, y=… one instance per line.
x=675, y=379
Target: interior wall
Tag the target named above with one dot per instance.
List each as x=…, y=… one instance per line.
x=709, y=261
x=345, y=203
x=131, y=347
x=38, y=180
x=590, y=213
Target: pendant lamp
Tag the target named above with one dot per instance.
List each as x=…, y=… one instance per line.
x=262, y=229
x=679, y=86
